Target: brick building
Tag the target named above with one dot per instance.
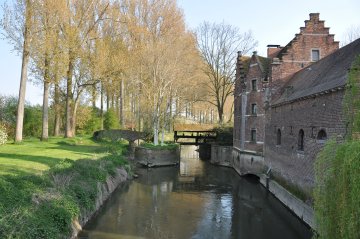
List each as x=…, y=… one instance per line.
x=288, y=104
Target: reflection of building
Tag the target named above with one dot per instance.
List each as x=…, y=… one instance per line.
x=289, y=103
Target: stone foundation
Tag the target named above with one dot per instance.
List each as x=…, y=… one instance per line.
x=247, y=162
x=221, y=155
x=157, y=157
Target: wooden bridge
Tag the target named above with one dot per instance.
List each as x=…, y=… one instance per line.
x=194, y=134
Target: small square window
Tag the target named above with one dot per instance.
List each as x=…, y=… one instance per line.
x=254, y=85
x=315, y=55
x=253, y=109
x=253, y=135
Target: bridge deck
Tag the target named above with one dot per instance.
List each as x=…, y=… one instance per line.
x=196, y=133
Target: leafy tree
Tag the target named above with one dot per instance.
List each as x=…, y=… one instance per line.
x=17, y=23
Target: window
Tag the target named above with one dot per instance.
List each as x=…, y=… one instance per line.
x=301, y=140
x=315, y=55
x=322, y=135
x=253, y=135
x=253, y=109
x=278, y=137
x=253, y=85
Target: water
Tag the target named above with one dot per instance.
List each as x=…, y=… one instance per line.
x=196, y=200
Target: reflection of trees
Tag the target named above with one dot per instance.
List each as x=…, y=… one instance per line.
x=216, y=204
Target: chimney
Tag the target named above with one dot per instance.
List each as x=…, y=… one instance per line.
x=314, y=17
x=272, y=50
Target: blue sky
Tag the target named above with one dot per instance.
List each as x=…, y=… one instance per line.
x=271, y=21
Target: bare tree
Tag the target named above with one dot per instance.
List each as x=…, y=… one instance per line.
x=351, y=35
x=218, y=44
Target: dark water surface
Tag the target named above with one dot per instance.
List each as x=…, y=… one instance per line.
x=195, y=200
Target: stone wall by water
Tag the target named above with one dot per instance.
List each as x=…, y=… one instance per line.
x=221, y=155
x=104, y=192
x=157, y=157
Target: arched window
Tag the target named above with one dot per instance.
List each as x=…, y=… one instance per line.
x=301, y=140
x=322, y=135
x=278, y=137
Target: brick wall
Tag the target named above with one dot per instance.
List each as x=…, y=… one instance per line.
x=297, y=53
x=311, y=115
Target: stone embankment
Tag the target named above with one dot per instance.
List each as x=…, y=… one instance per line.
x=104, y=191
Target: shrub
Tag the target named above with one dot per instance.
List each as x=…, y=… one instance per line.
x=164, y=146
x=337, y=172
x=224, y=135
x=337, y=201
x=110, y=120
x=3, y=134
x=88, y=120
x=32, y=121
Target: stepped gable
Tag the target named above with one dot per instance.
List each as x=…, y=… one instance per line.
x=328, y=74
x=314, y=26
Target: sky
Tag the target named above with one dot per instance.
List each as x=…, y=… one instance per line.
x=271, y=22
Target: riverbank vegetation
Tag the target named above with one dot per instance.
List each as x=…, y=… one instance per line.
x=44, y=186
x=165, y=146
x=337, y=201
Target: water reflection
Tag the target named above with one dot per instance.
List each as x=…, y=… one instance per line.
x=195, y=200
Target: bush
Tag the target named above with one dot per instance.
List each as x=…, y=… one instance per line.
x=169, y=146
x=110, y=120
x=32, y=121
x=224, y=135
x=88, y=120
x=93, y=123
x=337, y=201
x=3, y=134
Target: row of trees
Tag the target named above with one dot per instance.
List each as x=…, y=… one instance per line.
x=133, y=54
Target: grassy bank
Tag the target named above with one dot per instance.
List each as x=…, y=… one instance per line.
x=166, y=146
x=45, y=185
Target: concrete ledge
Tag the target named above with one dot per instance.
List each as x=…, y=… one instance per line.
x=298, y=207
x=157, y=157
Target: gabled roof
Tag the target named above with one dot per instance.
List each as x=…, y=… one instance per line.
x=263, y=62
x=327, y=74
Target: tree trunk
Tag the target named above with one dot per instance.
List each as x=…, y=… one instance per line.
x=156, y=131
x=57, y=108
x=102, y=107
x=73, y=119
x=231, y=112
x=23, y=77
x=166, y=114
x=221, y=114
x=93, y=96
x=45, y=116
x=107, y=100
x=121, y=108
x=156, y=125
x=69, y=98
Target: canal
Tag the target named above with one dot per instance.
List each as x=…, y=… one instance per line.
x=195, y=200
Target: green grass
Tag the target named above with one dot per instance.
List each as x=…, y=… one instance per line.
x=159, y=146
x=33, y=156
x=45, y=185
